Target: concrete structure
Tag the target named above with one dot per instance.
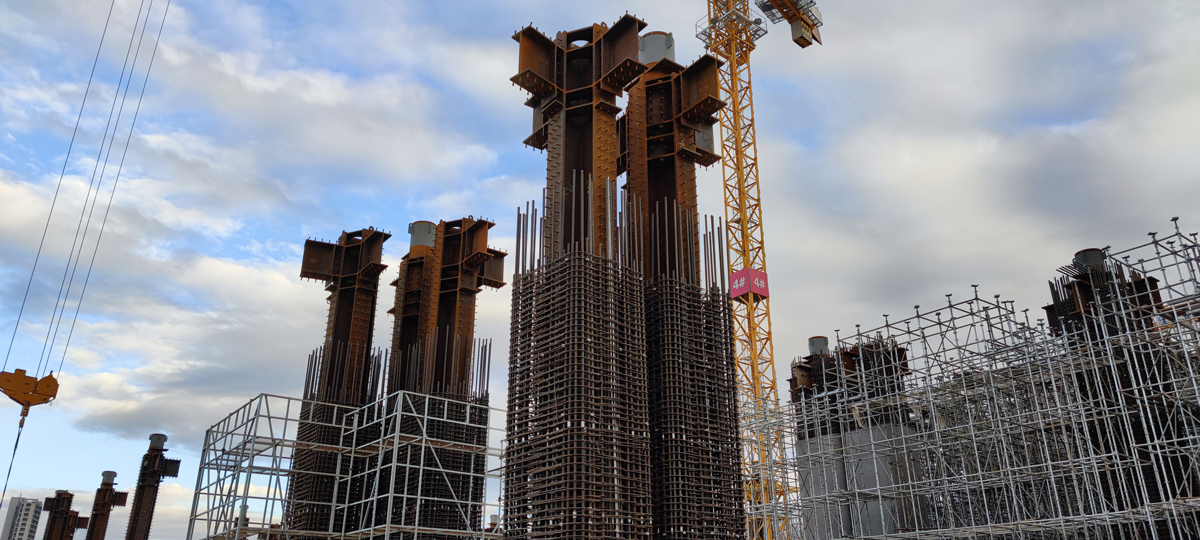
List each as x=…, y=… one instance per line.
x=21, y=520
x=975, y=420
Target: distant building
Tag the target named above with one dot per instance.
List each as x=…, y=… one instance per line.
x=21, y=521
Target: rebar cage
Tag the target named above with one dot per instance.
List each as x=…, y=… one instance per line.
x=972, y=421
x=409, y=466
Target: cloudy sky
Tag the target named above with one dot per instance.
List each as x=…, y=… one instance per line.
x=929, y=145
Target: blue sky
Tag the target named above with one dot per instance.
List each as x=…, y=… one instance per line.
x=929, y=145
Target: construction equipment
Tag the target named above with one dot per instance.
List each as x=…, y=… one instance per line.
x=28, y=391
x=802, y=15
x=730, y=32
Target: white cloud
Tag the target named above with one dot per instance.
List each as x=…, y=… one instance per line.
x=927, y=146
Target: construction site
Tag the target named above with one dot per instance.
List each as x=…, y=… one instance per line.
x=382, y=444
x=63, y=521
x=642, y=399
x=976, y=419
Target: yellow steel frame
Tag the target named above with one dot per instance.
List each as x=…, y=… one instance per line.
x=732, y=40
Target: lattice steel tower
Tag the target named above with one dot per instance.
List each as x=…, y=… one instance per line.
x=730, y=32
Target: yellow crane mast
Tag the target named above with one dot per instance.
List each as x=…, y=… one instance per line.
x=730, y=33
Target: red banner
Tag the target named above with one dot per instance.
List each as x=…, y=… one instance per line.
x=749, y=280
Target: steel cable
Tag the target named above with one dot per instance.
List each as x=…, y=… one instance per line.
x=99, y=182
x=81, y=241
x=60, y=302
x=117, y=179
x=12, y=460
x=61, y=174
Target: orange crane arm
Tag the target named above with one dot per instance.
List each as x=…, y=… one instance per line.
x=730, y=32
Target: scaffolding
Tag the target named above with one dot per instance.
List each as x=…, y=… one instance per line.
x=408, y=466
x=972, y=421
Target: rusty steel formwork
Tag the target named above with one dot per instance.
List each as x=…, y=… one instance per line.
x=971, y=420
x=63, y=520
x=622, y=412
x=372, y=451
x=434, y=353
x=447, y=265
x=106, y=498
x=345, y=371
x=155, y=467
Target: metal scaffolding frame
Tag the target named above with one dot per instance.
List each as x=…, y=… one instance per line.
x=972, y=421
x=409, y=466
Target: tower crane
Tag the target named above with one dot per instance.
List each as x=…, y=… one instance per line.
x=730, y=33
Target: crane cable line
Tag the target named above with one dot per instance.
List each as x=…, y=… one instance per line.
x=104, y=221
x=87, y=278
x=61, y=174
x=44, y=361
x=96, y=182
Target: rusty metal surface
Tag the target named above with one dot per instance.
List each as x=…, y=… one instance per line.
x=434, y=328
x=668, y=130
x=575, y=80
x=345, y=370
x=106, y=498
x=63, y=521
x=155, y=467
x=622, y=414
x=434, y=353
x=350, y=270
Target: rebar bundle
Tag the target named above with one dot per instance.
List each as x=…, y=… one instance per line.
x=694, y=450
x=622, y=409
x=317, y=465
x=973, y=421
x=434, y=488
x=345, y=371
x=577, y=461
